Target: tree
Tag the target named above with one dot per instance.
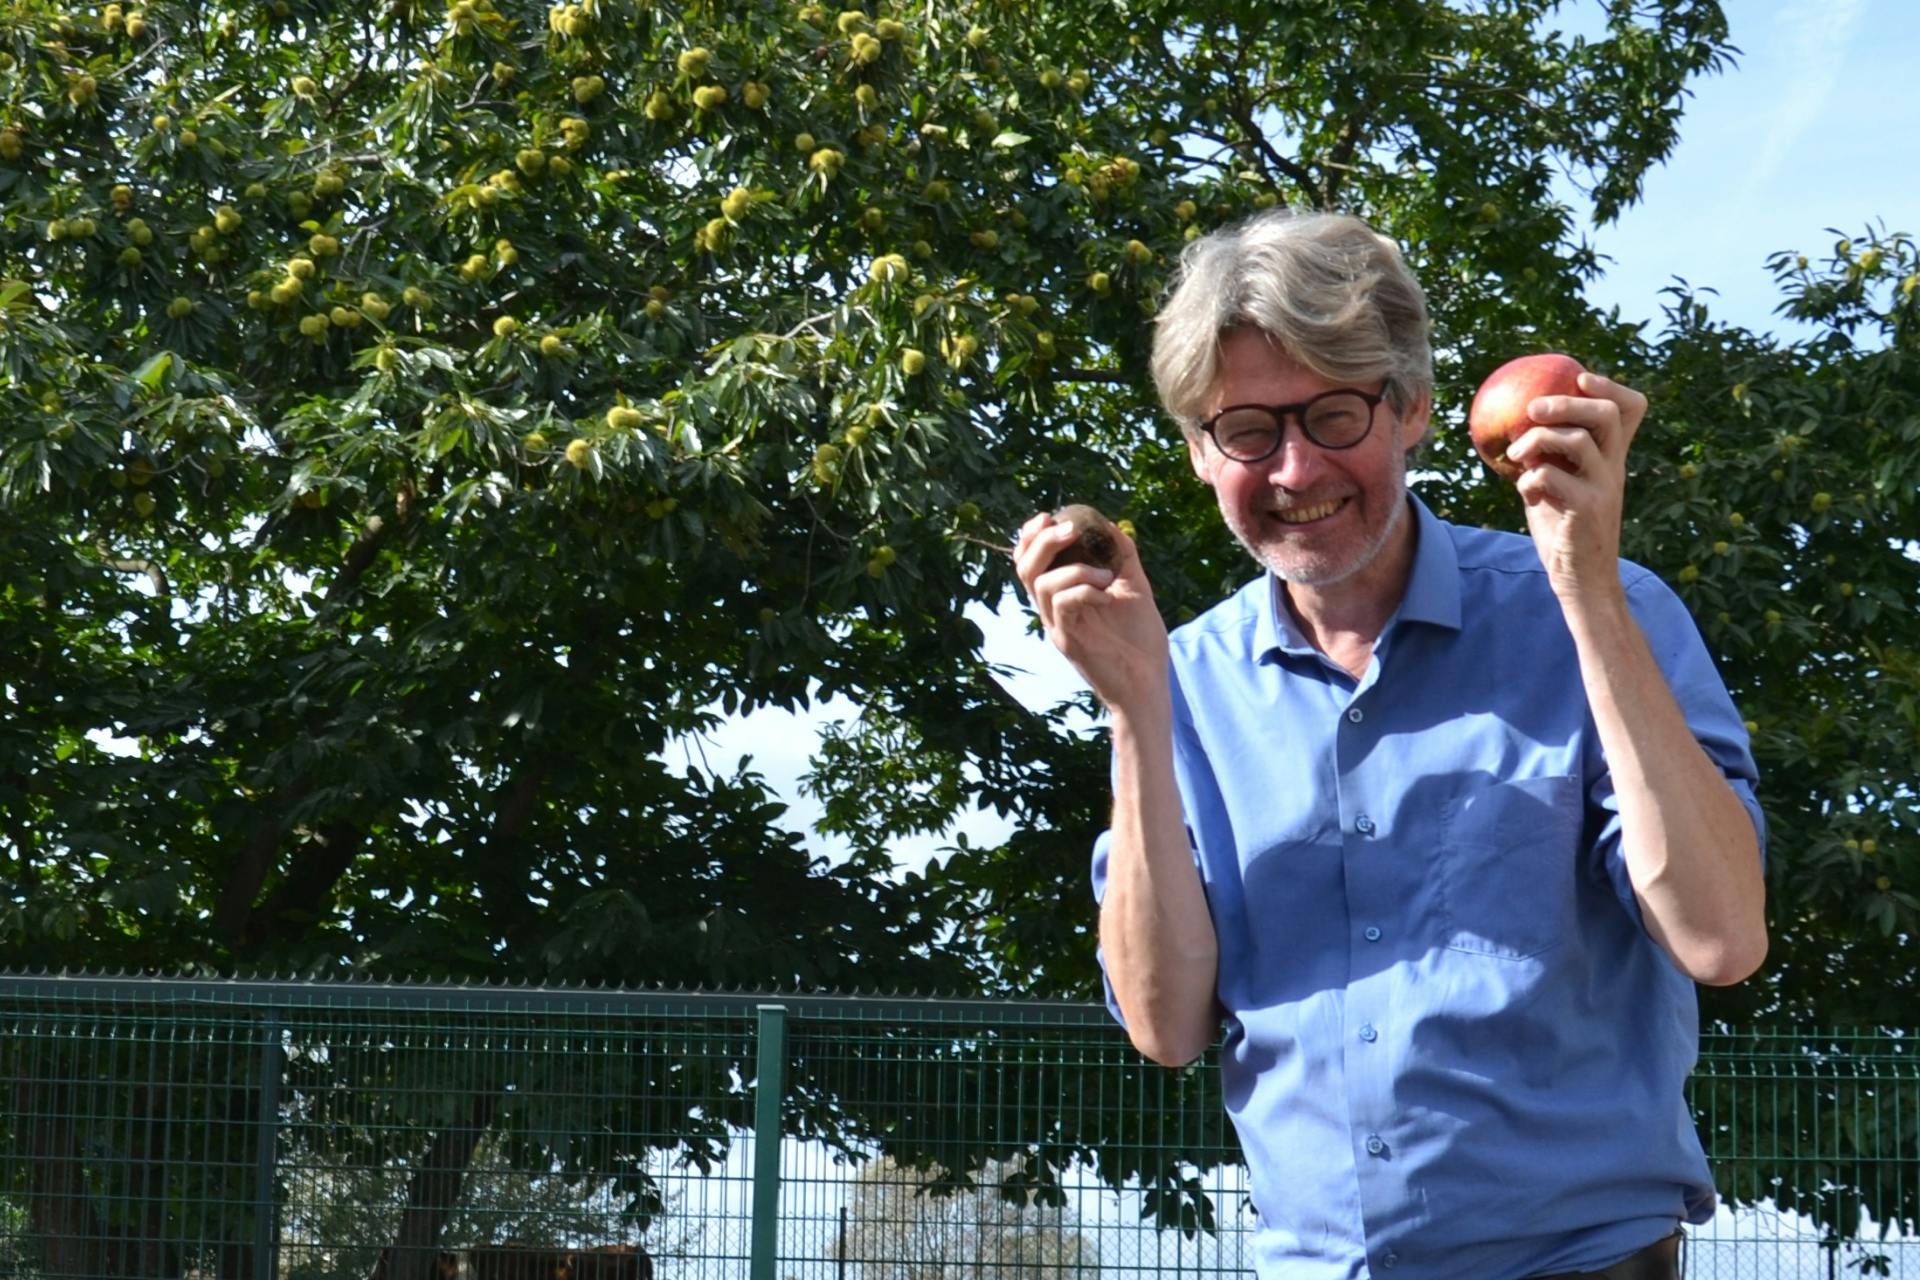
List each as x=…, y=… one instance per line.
x=907, y=1224
x=1781, y=495
x=340, y=1213
x=1778, y=489
x=415, y=420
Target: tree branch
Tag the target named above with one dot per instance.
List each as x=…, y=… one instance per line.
x=1241, y=112
x=20, y=836
x=60, y=1204
x=20, y=833
x=235, y=919
x=1093, y=375
x=1339, y=160
x=373, y=535
x=433, y=1192
x=998, y=692
x=231, y=916
x=518, y=800
x=359, y=556
x=155, y=574
x=318, y=863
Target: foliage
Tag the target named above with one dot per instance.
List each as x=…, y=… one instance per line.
x=907, y=1224
x=338, y=1214
x=1781, y=494
x=414, y=422
x=417, y=421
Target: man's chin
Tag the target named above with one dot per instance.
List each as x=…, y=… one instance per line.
x=1291, y=565
x=1291, y=570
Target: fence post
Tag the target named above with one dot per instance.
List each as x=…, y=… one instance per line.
x=266, y=1210
x=769, y=1086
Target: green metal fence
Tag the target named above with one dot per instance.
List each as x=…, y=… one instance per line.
x=311, y=1131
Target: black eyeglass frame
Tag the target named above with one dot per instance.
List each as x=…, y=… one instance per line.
x=1298, y=411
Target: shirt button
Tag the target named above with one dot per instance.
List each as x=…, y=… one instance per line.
x=1391, y=1260
x=1373, y=933
x=1367, y=1032
x=1375, y=1144
x=1355, y=715
x=1363, y=824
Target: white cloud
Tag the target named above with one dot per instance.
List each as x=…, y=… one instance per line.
x=1813, y=36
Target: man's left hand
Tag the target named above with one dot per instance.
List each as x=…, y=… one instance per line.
x=1575, y=484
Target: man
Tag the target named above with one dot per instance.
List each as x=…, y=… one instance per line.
x=1443, y=823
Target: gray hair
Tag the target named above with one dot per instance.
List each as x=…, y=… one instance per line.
x=1332, y=292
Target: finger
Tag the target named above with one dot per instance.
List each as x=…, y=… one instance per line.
x=1601, y=387
x=1075, y=606
x=1062, y=596
x=1599, y=417
x=1574, y=449
x=1551, y=483
x=1631, y=404
x=1024, y=566
x=1037, y=549
x=1590, y=412
x=1026, y=531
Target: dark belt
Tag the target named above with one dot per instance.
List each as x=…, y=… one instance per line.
x=1658, y=1261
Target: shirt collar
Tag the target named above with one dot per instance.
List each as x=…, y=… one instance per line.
x=1433, y=589
x=1432, y=595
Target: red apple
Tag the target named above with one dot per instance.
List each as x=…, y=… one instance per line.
x=1499, y=413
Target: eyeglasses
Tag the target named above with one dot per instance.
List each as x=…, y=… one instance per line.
x=1333, y=420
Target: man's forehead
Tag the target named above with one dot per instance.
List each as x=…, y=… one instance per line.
x=1249, y=353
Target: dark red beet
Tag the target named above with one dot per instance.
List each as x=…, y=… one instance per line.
x=1097, y=543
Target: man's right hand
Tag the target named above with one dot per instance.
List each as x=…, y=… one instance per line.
x=1103, y=620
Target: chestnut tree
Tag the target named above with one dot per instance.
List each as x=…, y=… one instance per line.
x=417, y=418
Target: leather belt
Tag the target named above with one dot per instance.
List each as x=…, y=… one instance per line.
x=1658, y=1261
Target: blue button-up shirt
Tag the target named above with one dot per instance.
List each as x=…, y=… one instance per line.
x=1452, y=1051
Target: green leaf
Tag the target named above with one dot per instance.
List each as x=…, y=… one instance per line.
x=152, y=373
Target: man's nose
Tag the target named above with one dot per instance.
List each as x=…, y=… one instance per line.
x=1297, y=462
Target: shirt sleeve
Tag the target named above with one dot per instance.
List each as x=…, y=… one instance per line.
x=1704, y=701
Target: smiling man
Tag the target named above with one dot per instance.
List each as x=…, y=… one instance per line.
x=1441, y=824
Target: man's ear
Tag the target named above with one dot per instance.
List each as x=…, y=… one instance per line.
x=1197, y=455
x=1413, y=423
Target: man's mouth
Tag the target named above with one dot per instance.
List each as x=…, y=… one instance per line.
x=1307, y=515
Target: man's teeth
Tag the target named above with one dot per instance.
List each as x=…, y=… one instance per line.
x=1301, y=515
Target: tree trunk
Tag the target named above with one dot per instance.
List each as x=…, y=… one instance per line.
x=145, y=1251
x=71, y=1241
x=432, y=1194
x=74, y=1240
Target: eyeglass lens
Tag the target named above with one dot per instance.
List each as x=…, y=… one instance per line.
x=1335, y=421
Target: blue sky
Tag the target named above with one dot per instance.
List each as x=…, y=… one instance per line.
x=1817, y=125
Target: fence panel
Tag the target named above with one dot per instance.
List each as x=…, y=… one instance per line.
x=358, y=1131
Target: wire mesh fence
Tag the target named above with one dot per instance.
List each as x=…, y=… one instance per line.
x=233, y=1130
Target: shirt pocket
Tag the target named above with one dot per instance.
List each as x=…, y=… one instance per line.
x=1507, y=858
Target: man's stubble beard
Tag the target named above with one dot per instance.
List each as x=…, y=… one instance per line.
x=1367, y=555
